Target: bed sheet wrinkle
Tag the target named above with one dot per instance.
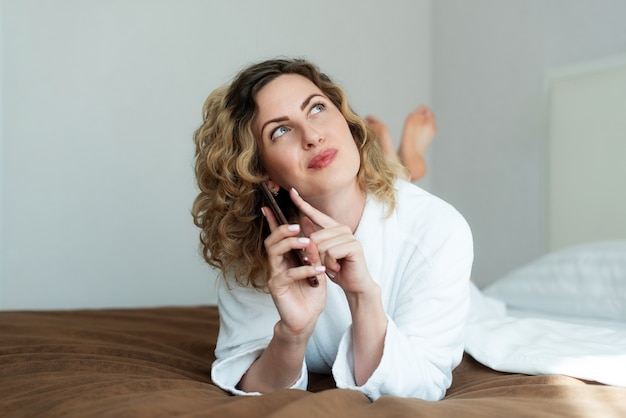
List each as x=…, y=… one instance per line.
x=160, y=367
x=534, y=345
x=64, y=359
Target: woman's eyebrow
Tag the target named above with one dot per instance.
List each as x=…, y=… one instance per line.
x=279, y=119
x=285, y=118
x=308, y=100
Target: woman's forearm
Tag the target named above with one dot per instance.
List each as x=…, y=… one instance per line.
x=369, y=326
x=279, y=366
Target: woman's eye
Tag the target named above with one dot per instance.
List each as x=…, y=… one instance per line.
x=278, y=132
x=317, y=108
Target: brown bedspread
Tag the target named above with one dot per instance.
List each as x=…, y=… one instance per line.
x=156, y=362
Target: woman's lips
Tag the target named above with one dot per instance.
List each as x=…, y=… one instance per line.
x=323, y=159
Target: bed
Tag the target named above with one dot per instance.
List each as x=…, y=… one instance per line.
x=156, y=362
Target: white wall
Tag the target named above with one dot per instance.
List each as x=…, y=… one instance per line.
x=490, y=60
x=587, y=146
x=99, y=103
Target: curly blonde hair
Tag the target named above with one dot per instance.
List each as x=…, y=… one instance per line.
x=228, y=170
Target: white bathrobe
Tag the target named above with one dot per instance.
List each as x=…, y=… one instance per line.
x=421, y=257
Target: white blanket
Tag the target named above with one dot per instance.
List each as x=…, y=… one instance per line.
x=543, y=346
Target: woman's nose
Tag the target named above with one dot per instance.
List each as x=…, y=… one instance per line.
x=311, y=136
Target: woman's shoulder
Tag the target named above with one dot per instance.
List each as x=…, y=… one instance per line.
x=411, y=198
x=420, y=208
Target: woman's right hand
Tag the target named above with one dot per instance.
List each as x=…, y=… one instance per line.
x=298, y=303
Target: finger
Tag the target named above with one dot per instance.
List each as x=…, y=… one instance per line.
x=288, y=277
x=270, y=217
x=334, y=250
x=312, y=253
x=273, y=223
x=326, y=238
x=332, y=267
x=320, y=235
x=279, y=243
x=316, y=216
x=307, y=225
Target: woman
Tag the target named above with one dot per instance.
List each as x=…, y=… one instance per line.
x=392, y=261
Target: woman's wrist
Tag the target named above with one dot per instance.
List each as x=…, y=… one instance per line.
x=369, y=327
x=280, y=365
x=367, y=310
x=289, y=337
x=371, y=296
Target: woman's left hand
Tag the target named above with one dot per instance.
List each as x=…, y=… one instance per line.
x=339, y=250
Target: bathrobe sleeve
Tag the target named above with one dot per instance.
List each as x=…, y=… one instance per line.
x=247, y=319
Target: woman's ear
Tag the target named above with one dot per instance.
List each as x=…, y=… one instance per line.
x=274, y=187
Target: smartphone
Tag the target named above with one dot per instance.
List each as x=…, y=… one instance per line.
x=300, y=255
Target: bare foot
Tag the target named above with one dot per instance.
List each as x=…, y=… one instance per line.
x=383, y=137
x=419, y=130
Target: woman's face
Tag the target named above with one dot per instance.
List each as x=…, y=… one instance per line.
x=304, y=139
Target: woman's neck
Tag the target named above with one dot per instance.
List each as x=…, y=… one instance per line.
x=345, y=206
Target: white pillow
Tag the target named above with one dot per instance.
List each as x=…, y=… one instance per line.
x=587, y=280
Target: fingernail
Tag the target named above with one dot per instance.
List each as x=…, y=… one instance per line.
x=263, y=212
x=294, y=227
x=295, y=191
x=320, y=268
x=304, y=240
